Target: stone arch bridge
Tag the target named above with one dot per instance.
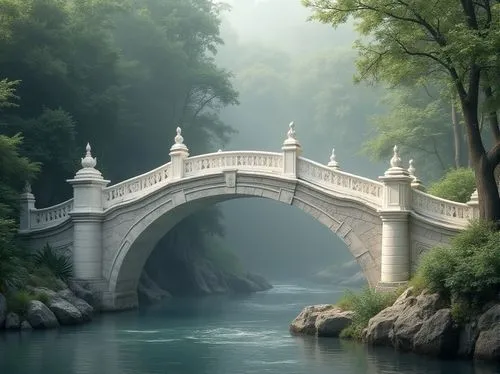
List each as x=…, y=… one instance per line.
x=111, y=230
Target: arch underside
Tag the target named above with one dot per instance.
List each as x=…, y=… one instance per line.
x=132, y=231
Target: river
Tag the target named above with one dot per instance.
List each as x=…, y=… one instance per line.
x=222, y=334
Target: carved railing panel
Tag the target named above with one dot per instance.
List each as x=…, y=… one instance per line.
x=266, y=162
x=442, y=210
x=344, y=183
x=136, y=187
x=51, y=216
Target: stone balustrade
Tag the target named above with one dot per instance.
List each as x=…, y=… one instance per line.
x=441, y=211
x=50, y=216
x=135, y=187
x=339, y=182
x=328, y=177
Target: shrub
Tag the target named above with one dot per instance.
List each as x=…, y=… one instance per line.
x=365, y=305
x=42, y=296
x=457, y=185
x=12, y=274
x=18, y=302
x=59, y=264
x=468, y=272
x=43, y=277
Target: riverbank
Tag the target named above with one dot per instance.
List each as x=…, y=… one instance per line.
x=74, y=303
x=419, y=322
x=44, y=308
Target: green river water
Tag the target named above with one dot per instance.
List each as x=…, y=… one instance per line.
x=222, y=334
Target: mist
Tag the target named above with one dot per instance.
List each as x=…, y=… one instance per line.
x=287, y=69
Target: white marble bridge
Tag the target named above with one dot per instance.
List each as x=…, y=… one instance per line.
x=111, y=231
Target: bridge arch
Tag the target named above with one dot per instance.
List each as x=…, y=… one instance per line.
x=136, y=229
x=111, y=231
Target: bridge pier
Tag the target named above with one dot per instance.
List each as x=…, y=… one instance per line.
x=87, y=215
x=395, y=266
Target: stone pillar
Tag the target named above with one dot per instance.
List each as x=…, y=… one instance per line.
x=395, y=261
x=291, y=151
x=474, y=204
x=27, y=203
x=178, y=153
x=87, y=214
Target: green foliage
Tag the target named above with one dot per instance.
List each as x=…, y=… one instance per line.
x=468, y=272
x=456, y=185
x=41, y=276
x=15, y=170
x=419, y=121
x=365, y=305
x=18, y=301
x=58, y=264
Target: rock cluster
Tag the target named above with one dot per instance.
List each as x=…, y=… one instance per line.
x=418, y=323
x=69, y=306
x=424, y=324
x=321, y=320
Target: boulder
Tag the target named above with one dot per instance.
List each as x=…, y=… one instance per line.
x=380, y=327
x=331, y=322
x=84, y=308
x=43, y=290
x=66, y=313
x=488, y=344
x=305, y=322
x=67, y=295
x=12, y=322
x=25, y=325
x=437, y=336
x=85, y=292
x=467, y=339
x=40, y=316
x=489, y=318
x=3, y=310
x=410, y=322
x=402, y=299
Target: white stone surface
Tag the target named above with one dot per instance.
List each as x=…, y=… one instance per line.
x=111, y=231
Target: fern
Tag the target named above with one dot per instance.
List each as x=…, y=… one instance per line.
x=58, y=264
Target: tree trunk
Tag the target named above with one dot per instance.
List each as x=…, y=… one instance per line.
x=457, y=136
x=489, y=199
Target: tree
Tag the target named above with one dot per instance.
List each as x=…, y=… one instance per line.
x=420, y=122
x=15, y=170
x=455, y=42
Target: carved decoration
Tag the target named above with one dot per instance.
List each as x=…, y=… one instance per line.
x=395, y=160
x=444, y=210
x=52, y=215
x=89, y=162
x=340, y=181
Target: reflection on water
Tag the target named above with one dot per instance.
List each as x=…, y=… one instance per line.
x=207, y=336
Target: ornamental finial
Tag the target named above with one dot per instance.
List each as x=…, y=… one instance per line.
x=411, y=169
x=27, y=187
x=291, y=131
x=333, y=162
x=395, y=160
x=178, y=138
x=88, y=161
